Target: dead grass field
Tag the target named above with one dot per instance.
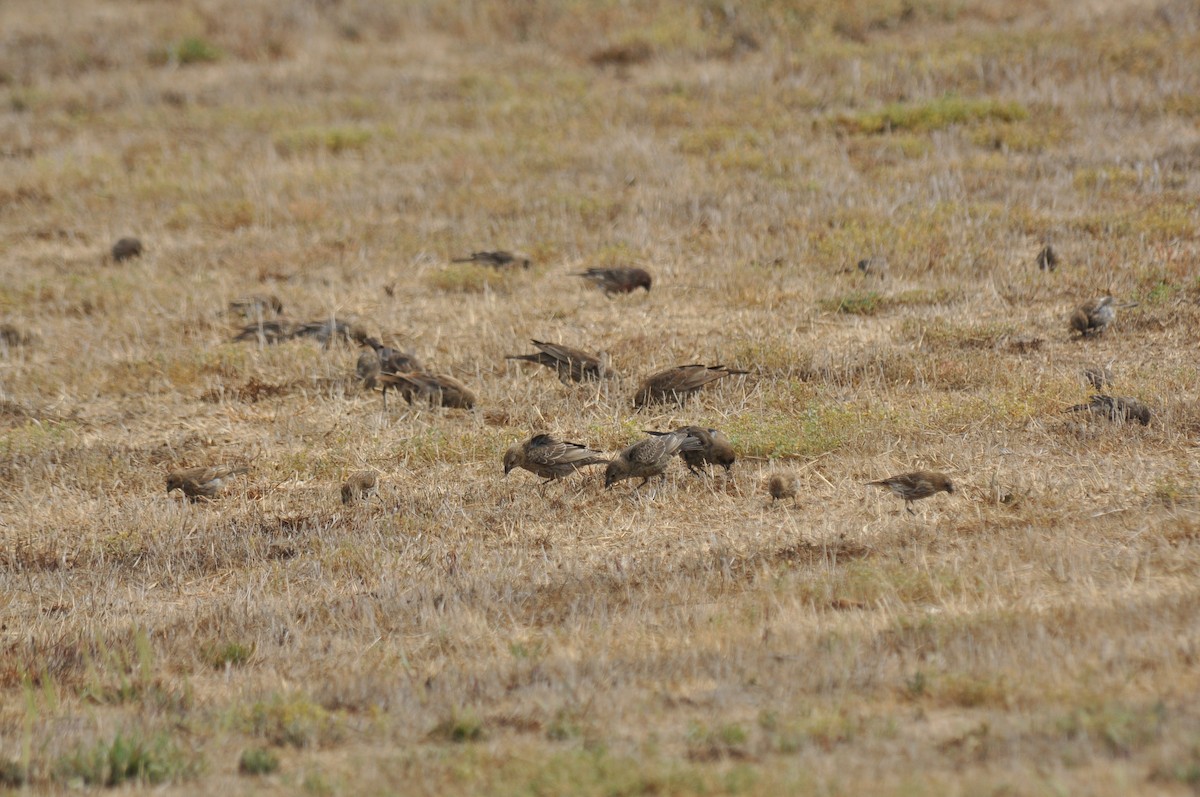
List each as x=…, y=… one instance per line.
x=1038, y=632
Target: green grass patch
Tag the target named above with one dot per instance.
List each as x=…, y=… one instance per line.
x=460, y=726
x=258, y=761
x=334, y=140
x=857, y=303
x=127, y=758
x=195, y=50
x=938, y=114
x=814, y=431
x=292, y=720
x=467, y=278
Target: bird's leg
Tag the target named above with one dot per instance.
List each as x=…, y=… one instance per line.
x=908, y=506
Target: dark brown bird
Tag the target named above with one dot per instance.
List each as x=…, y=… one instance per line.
x=714, y=449
x=266, y=332
x=360, y=486
x=874, y=267
x=126, y=248
x=203, y=482
x=617, y=280
x=257, y=306
x=916, y=485
x=438, y=389
x=394, y=361
x=571, y=365
x=678, y=383
x=783, y=485
x=11, y=335
x=550, y=458
x=1116, y=408
x=497, y=259
x=367, y=369
x=1047, y=259
x=1093, y=318
x=649, y=457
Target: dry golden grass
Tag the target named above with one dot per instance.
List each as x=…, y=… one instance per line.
x=465, y=633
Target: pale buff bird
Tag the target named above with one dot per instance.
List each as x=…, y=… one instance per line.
x=783, y=485
x=550, y=458
x=203, y=482
x=916, y=485
x=360, y=486
x=1092, y=318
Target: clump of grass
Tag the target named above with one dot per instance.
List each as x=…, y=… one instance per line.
x=258, y=761
x=126, y=759
x=1121, y=730
x=866, y=303
x=233, y=654
x=815, y=431
x=293, y=720
x=710, y=744
x=195, y=50
x=460, y=726
x=466, y=278
x=334, y=140
x=936, y=114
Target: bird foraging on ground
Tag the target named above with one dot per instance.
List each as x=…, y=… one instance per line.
x=1116, y=408
x=1047, y=259
x=125, y=249
x=916, y=485
x=367, y=369
x=203, y=482
x=550, y=458
x=678, y=383
x=497, y=259
x=438, y=389
x=874, y=267
x=649, y=457
x=617, y=280
x=394, y=361
x=1099, y=377
x=360, y=486
x=266, y=332
x=256, y=306
x=783, y=485
x=1092, y=318
x=715, y=448
x=571, y=365
x=329, y=330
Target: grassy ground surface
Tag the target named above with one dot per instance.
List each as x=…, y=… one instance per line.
x=1037, y=632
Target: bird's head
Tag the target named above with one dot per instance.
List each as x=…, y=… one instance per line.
x=512, y=457
x=174, y=482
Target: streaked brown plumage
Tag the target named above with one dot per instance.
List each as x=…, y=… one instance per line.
x=649, y=457
x=874, y=267
x=126, y=248
x=360, y=486
x=617, y=280
x=437, y=389
x=916, y=485
x=497, y=259
x=678, y=383
x=367, y=369
x=1092, y=318
x=266, y=332
x=257, y=306
x=715, y=449
x=1116, y=408
x=1047, y=259
x=203, y=482
x=549, y=457
x=1098, y=377
x=571, y=365
x=394, y=361
x=783, y=485
x=331, y=330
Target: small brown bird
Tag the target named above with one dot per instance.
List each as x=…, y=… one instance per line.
x=266, y=332
x=550, y=458
x=649, y=457
x=1093, y=318
x=678, y=383
x=367, y=369
x=1098, y=377
x=497, y=259
x=617, y=280
x=203, y=482
x=714, y=449
x=360, y=486
x=783, y=485
x=572, y=365
x=330, y=330
x=394, y=361
x=1047, y=259
x=1116, y=408
x=257, y=306
x=874, y=267
x=125, y=249
x=437, y=389
x=916, y=485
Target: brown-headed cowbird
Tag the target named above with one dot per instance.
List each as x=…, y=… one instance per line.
x=438, y=389
x=1099, y=377
x=266, y=332
x=125, y=249
x=257, y=306
x=874, y=267
x=1047, y=259
x=497, y=259
x=550, y=458
x=1093, y=318
x=714, y=449
x=617, y=280
x=649, y=457
x=360, y=486
x=394, y=361
x=203, y=482
x=1116, y=408
x=572, y=365
x=678, y=383
x=916, y=485
x=367, y=369
x=783, y=485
